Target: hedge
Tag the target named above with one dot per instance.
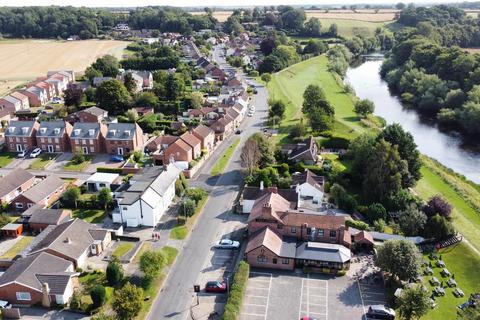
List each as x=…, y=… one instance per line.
x=335, y=142
x=109, y=170
x=237, y=290
x=356, y=224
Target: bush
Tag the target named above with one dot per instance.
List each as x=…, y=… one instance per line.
x=336, y=142
x=196, y=194
x=234, y=302
x=187, y=207
x=376, y=211
x=114, y=273
x=98, y=295
x=78, y=159
x=76, y=301
x=360, y=225
x=179, y=189
x=184, y=181
x=253, y=73
x=109, y=170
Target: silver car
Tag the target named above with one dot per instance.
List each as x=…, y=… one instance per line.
x=227, y=244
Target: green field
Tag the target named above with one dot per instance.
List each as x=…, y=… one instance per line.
x=6, y=158
x=350, y=28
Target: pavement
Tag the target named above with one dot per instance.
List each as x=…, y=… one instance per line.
x=195, y=259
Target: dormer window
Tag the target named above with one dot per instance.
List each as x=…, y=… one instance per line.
x=91, y=132
x=127, y=133
x=112, y=132
x=57, y=130
x=11, y=129
x=77, y=132
x=43, y=130
x=25, y=130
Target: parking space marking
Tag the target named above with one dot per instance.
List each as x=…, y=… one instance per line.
x=361, y=297
x=252, y=314
x=258, y=288
x=301, y=297
x=268, y=298
x=254, y=304
x=251, y=295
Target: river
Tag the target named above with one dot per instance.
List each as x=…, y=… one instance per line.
x=446, y=148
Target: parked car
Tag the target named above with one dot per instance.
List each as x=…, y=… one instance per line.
x=250, y=114
x=35, y=153
x=380, y=312
x=5, y=304
x=116, y=158
x=216, y=286
x=228, y=244
x=238, y=131
x=22, y=154
x=308, y=318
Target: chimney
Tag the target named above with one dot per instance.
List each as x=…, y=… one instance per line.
x=67, y=240
x=45, y=295
x=273, y=189
x=261, y=185
x=267, y=209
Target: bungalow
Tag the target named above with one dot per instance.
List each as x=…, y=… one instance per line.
x=39, y=279
x=40, y=219
x=146, y=197
x=74, y=240
x=21, y=135
x=44, y=194
x=194, y=143
x=14, y=183
x=36, y=96
x=305, y=151
x=206, y=136
x=23, y=99
x=123, y=138
x=223, y=127
x=92, y=114
x=54, y=136
x=88, y=137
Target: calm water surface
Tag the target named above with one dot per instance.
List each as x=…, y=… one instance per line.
x=445, y=148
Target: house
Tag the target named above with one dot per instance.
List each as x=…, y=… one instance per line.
x=10, y=103
x=23, y=99
x=88, y=137
x=123, y=138
x=147, y=79
x=235, y=115
x=43, y=193
x=40, y=219
x=179, y=152
x=54, y=136
x=69, y=74
x=97, y=81
x=37, y=96
x=223, y=127
x=251, y=194
x=6, y=113
x=150, y=40
x=206, y=136
x=74, y=240
x=100, y=180
x=217, y=74
x=42, y=85
x=21, y=135
x=305, y=151
x=161, y=142
x=14, y=183
x=136, y=78
x=92, y=114
x=194, y=143
x=39, y=279
x=12, y=230
x=143, y=111
x=146, y=197
x=309, y=188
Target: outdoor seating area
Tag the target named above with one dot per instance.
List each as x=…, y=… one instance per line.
x=451, y=282
x=458, y=293
x=439, y=286
x=445, y=272
x=439, y=291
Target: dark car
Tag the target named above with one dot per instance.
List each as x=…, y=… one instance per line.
x=116, y=158
x=238, y=131
x=380, y=312
x=216, y=286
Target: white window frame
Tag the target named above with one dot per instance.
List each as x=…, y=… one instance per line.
x=19, y=205
x=23, y=296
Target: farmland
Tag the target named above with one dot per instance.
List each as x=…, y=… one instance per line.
x=24, y=60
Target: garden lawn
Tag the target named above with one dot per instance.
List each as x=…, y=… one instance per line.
x=6, y=158
x=465, y=219
x=463, y=262
x=42, y=161
x=90, y=215
x=88, y=281
x=180, y=231
x=221, y=164
x=70, y=166
x=122, y=248
x=17, y=248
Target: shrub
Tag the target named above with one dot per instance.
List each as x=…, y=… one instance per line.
x=379, y=225
x=336, y=142
x=109, y=170
x=76, y=301
x=179, y=189
x=78, y=158
x=187, y=207
x=376, y=211
x=128, y=301
x=98, y=295
x=234, y=302
x=184, y=181
x=253, y=73
x=114, y=273
x=360, y=225
x=196, y=194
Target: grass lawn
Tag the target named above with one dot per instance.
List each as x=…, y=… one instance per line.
x=122, y=248
x=6, y=158
x=88, y=281
x=70, y=166
x=171, y=254
x=90, y=215
x=180, y=232
x=43, y=161
x=222, y=163
x=461, y=261
x=17, y=248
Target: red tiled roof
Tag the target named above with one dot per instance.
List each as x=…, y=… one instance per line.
x=269, y=205
x=266, y=238
x=203, y=131
x=363, y=236
x=190, y=139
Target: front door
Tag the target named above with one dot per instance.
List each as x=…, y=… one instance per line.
x=85, y=150
x=120, y=151
x=50, y=148
x=19, y=147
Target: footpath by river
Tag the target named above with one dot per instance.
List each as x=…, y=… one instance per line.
x=446, y=148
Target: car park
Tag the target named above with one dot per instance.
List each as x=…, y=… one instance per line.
x=216, y=286
x=380, y=312
x=35, y=153
x=227, y=244
x=22, y=154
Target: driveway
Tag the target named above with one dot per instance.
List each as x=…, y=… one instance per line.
x=60, y=162
x=102, y=160
x=32, y=313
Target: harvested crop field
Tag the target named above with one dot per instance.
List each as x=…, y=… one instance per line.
x=23, y=60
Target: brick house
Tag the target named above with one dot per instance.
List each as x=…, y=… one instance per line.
x=44, y=193
x=92, y=114
x=123, y=138
x=37, y=96
x=10, y=103
x=47, y=87
x=305, y=151
x=88, y=137
x=206, y=136
x=23, y=99
x=54, y=136
x=179, y=151
x=21, y=135
x=39, y=219
x=14, y=183
x=194, y=143
x=223, y=127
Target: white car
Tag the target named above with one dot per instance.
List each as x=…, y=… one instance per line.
x=22, y=154
x=250, y=114
x=36, y=152
x=227, y=244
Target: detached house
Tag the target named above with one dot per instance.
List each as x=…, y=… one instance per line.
x=21, y=135
x=88, y=137
x=123, y=138
x=147, y=196
x=54, y=136
x=43, y=194
x=92, y=114
x=305, y=151
x=14, y=183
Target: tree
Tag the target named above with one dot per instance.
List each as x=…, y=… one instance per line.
x=76, y=301
x=379, y=225
x=438, y=227
x=128, y=301
x=151, y=263
x=129, y=83
x=147, y=100
x=293, y=19
x=174, y=86
x=73, y=96
x=315, y=47
x=71, y=196
x=298, y=130
x=412, y=221
x=360, y=150
x=414, y=302
x=401, y=258
x=333, y=30
x=271, y=64
x=250, y=156
x=277, y=108
x=108, y=65
x=376, y=211
x=437, y=205
x=132, y=115
x=105, y=198
x=266, y=77
x=196, y=100
x=400, y=6
x=317, y=108
x=98, y=295
x=114, y=272
x=266, y=149
x=313, y=27
x=112, y=96
x=364, y=107
x=91, y=73
x=187, y=208
x=196, y=194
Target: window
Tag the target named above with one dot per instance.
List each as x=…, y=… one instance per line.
x=19, y=205
x=84, y=141
x=293, y=230
x=262, y=259
x=280, y=226
x=92, y=149
x=91, y=141
x=274, y=260
x=102, y=185
x=321, y=233
x=49, y=140
x=285, y=261
x=333, y=233
x=57, y=140
x=29, y=205
x=24, y=296
x=24, y=139
x=42, y=140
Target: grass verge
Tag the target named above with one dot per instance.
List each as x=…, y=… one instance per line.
x=6, y=158
x=122, y=248
x=221, y=164
x=180, y=231
x=235, y=298
x=90, y=215
x=17, y=248
x=71, y=166
x=42, y=161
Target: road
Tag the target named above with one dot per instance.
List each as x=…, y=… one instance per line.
x=176, y=297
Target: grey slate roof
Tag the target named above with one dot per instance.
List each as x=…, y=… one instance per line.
x=13, y=180
x=51, y=129
x=122, y=131
x=44, y=188
x=252, y=193
x=323, y=252
x=95, y=111
x=85, y=130
x=47, y=216
x=11, y=99
x=25, y=270
x=379, y=236
x=308, y=177
x=18, y=128
x=57, y=282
